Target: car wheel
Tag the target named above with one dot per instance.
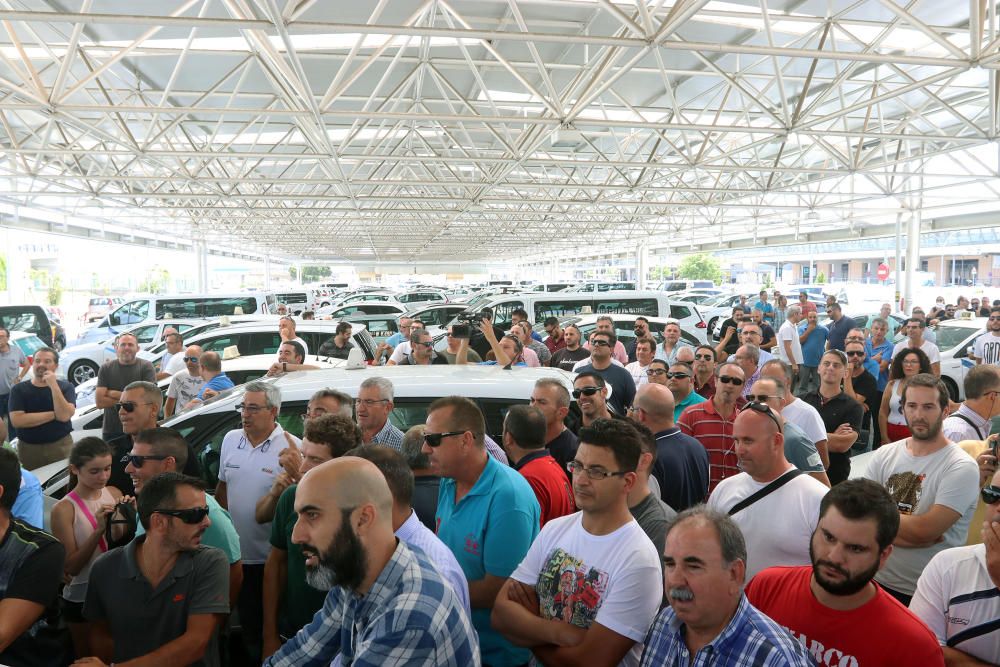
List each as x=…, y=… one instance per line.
x=81, y=371
x=711, y=326
x=952, y=388
x=59, y=344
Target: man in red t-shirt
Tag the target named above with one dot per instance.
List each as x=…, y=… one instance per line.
x=834, y=607
x=524, y=440
x=711, y=423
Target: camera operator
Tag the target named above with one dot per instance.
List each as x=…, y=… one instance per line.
x=478, y=340
x=507, y=350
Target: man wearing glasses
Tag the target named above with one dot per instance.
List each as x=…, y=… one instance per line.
x=248, y=466
x=681, y=385
x=594, y=575
x=622, y=384
x=487, y=514
x=986, y=349
x=711, y=422
x=373, y=407
x=422, y=351
x=137, y=407
x=759, y=445
x=958, y=593
x=185, y=384
x=982, y=402
x=128, y=622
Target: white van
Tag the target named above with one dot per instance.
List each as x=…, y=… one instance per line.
x=188, y=306
x=685, y=285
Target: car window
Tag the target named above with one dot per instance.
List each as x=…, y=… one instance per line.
x=132, y=312
x=679, y=312
x=560, y=308
x=494, y=412
x=648, y=307
x=502, y=311
x=146, y=334
x=263, y=342
x=949, y=337
x=29, y=344
x=205, y=306
x=220, y=343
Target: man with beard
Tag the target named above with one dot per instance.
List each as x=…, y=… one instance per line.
x=551, y=397
x=114, y=376
x=591, y=394
x=41, y=409
x=588, y=587
x=567, y=357
x=709, y=620
x=641, y=330
x=987, y=347
x=777, y=524
x=833, y=607
x=128, y=621
x=729, y=333
x=933, y=481
x=387, y=604
x=915, y=330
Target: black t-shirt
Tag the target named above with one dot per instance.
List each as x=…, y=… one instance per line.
x=425, y=499
x=479, y=343
x=31, y=568
x=734, y=342
x=866, y=386
x=566, y=358
x=436, y=359
x=622, y=385
x=563, y=449
x=120, y=446
x=24, y=396
x=766, y=333
x=841, y=409
x=334, y=351
x=681, y=468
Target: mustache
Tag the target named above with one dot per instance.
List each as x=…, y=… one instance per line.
x=834, y=567
x=682, y=594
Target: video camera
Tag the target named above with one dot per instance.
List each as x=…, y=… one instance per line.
x=468, y=321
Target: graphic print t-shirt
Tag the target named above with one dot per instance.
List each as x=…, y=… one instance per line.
x=615, y=579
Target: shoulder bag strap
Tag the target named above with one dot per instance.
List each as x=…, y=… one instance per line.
x=766, y=491
x=75, y=497
x=969, y=422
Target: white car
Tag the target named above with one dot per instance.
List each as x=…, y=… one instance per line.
x=625, y=327
x=438, y=316
x=954, y=338
x=80, y=363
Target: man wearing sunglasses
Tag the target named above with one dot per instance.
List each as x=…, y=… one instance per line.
x=112, y=378
x=711, y=422
x=620, y=380
x=933, y=481
x=958, y=593
x=777, y=526
x=179, y=625
x=422, y=351
x=657, y=372
x=592, y=576
x=591, y=392
x=138, y=407
x=703, y=382
x=680, y=384
x=185, y=384
x=986, y=349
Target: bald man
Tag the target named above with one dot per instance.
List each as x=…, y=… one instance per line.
x=760, y=448
x=409, y=614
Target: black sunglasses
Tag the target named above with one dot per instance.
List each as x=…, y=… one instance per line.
x=434, y=439
x=764, y=409
x=729, y=379
x=600, y=343
x=190, y=358
x=677, y=375
x=585, y=391
x=128, y=406
x=192, y=515
x=856, y=353
x=137, y=460
x=991, y=494
x=704, y=357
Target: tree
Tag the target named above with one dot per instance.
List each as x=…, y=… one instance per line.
x=700, y=267
x=157, y=281
x=3, y=273
x=820, y=278
x=310, y=274
x=55, y=290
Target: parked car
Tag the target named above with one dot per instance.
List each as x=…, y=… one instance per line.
x=30, y=319
x=625, y=328
x=361, y=308
x=954, y=337
x=28, y=343
x=436, y=317
x=100, y=306
x=58, y=331
x=682, y=285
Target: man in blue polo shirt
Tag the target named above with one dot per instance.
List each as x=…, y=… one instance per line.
x=487, y=514
x=211, y=372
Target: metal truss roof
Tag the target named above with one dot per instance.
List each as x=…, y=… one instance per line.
x=398, y=130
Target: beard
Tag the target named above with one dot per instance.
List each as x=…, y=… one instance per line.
x=342, y=563
x=850, y=585
x=929, y=432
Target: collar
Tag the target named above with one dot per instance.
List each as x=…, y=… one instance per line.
x=973, y=416
x=266, y=443
x=383, y=432
x=531, y=456
x=666, y=433
x=710, y=406
x=130, y=568
x=409, y=528
x=729, y=634
x=482, y=486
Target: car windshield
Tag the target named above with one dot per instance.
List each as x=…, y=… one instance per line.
x=950, y=337
x=29, y=344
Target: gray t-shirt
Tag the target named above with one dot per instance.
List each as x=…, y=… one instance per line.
x=10, y=367
x=948, y=477
x=142, y=620
x=800, y=450
x=116, y=376
x=654, y=516
x=184, y=388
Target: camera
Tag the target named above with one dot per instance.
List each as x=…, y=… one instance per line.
x=468, y=321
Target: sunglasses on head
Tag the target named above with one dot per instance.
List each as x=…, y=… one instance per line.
x=191, y=515
x=991, y=494
x=764, y=409
x=729, y=379
x=585, y=391
x=434, y=439
x=138, y=460
x=128, y=406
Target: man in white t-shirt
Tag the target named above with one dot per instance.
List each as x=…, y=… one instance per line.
x=789, y=348
x=404, y=348
x=915, y=338
x=777, y=527
x=933, y=481
x=644, y=349
x=172, y=359
x=286, y=330
x=958, y=594
x=590, y=585
x=185, y=383
x=987, y=347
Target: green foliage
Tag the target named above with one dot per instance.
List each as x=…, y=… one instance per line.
x=310, y=274
x=3, y=273
x=768, y=283
x=820, y=278
x=157, y=281
x=55, y=291
x=700, y=267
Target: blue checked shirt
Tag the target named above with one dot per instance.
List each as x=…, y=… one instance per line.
x=409, y=617
x=750, y=640
x=389, y=436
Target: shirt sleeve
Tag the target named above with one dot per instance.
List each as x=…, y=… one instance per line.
x=959, y=484
x=930, y=602
x=934, y=354
x=408, y=646
x=173, y=391
x=211, y=589
x=68, y=392
x=508, y=540
x=318, y=643
x=103, y=378
x=37, y=579
x=146, y=372
x=633, y=599
x=279, y=537
x=527, y=572
x=15, y=401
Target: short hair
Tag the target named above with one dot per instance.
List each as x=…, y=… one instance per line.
x=308, y=315
x=165, y=442
x=55, y=355
x=646, y=340
x=612, y=338
x=518, y=345
x=520, y=312
x=687, y=367
x=526, y=424
x=465, y=416
x=860, y=499
x=10, y=478
x=837, y=353
x=288, y=318
x=644, y=319
x=786, y=368
x=731, y=541
x=779, y=383
x=418, y=321
x=562, y=393
x=880, y=320
x=123, y=335
x=393, y=467
x=605, y=318
x=7, y=331
x=647, y=440
x=526, y=325
x=931, y=381
x=793, y=310
x=335, y=432
x=709, y=348
x=661, y=362
x=381, y=384
x=753, y=351
x=724, y=364
x=413, y=446
x=617, y=435
x=980, y=380
x=150, y=390
x=896, y=369
x=160, y=493
x=174, y=334
x=343, y=327
x=994, y=310
x=211, y=361
x=596, y=377
x=572, y=326
x=87, y=449
x=551, y=322
x=919, y=320
x=298, y=351
x=343, y=400
x=272, y=395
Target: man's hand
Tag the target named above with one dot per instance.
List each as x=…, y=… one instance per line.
x=275, y=369
x=50, y=379
x=987, y=462
x=486, y=327
x=281, y=482
x=208, y=393
x=844, y=429
x=991, y=538
x=291, y=458
x=524, y=595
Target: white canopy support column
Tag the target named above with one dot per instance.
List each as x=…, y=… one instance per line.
x=641, y=264
x=899, y=256
x=201, y=258
x=912, y=255
x=267, y=272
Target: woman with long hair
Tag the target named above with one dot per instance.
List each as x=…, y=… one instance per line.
x=79, y=522
x=891, y=422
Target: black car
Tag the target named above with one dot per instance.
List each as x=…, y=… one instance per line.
x=32, y=319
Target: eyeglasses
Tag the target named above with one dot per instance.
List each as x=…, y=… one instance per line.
x=434, y=439
x=677, y=375
x=370, y=402
x=600, y=343
x=249, y=408
x=651, y=372
x=586, y=391
x=760, y=398
x=704, y=357
x=856, y=353
x=729, y=379
x=137, y=460
x=426, y=343
x=994, y=318
x=192, y=515
x=593, y=473
x=190, y=358
x=128, y=406
x=764, y=409
x=991, y=494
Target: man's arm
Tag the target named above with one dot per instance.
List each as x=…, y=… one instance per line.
x=804, y=336
x=22, y=419
x=483, y=592
x=63, y=407
x=222, y=495
x=275, y=575
x=842, y=439
x=600, y=646
x=235, y=582
x=822, y=477
x=168, y=407
x=264, y=511
x=486, y=326
x=16, y=616
x=720, y=349
x=105, y=397
x=188, y=648
x=955, y=658
x=822, y=447
x=917, y=530
x=936, y=368
x=515, y=616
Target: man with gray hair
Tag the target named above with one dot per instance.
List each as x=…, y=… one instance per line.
x=138, y=406
x=789, y=348
x=373, y=407
x=248, y=466
x=748, y=359
x=704, y=572
x=425, y=482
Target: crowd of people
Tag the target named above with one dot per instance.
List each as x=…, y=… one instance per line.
x=696, y=506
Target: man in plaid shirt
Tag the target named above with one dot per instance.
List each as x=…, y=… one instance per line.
x=387, y=604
